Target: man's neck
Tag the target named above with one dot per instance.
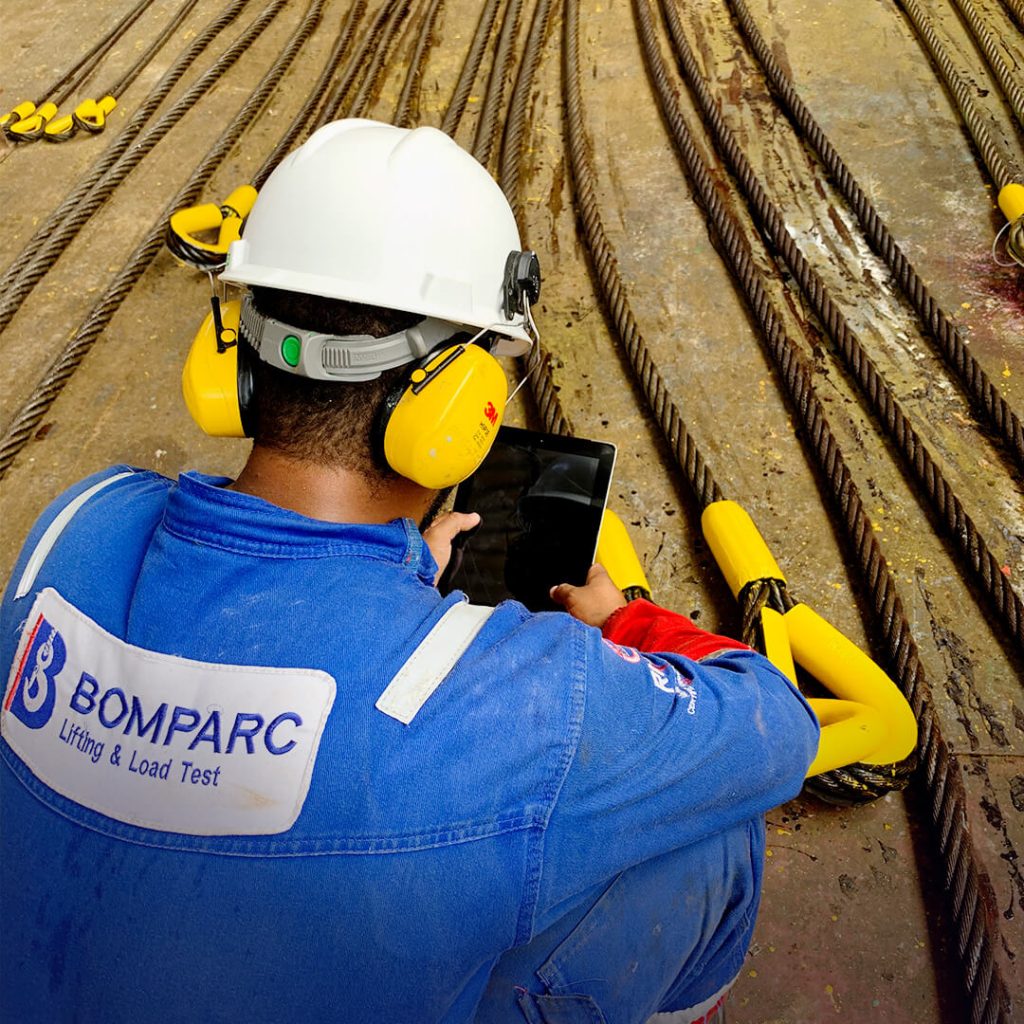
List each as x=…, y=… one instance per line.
x=330, y=493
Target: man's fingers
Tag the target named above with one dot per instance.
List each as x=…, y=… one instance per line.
x=451, y=524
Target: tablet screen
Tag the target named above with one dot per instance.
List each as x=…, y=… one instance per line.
x=540, y=498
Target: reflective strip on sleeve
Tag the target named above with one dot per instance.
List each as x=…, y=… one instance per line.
x=432, y=660
x=54, y=530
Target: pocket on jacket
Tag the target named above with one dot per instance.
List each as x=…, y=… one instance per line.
x=552, y=1009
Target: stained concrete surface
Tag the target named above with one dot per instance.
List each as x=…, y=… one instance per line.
x=851, y=926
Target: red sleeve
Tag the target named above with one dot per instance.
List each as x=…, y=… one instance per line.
x=647, y=627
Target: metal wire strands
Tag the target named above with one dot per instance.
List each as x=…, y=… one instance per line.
x=353, y=85
x=29, y=416
x=984, y=394
x=944, y=504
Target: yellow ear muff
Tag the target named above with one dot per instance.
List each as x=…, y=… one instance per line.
x=447, y=417
x=209, y=380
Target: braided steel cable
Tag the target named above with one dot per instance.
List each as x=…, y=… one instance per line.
x=973, y=908
x=992, y=155
x=299, y=124
x=471, y=65
x=150, y=52
x=515, y=125
x=398, y=11
x=538, y=364
x=31, y=413
x=124, y=139
x=407, y=111
x=356, y=65
x=488, y=126
x=983, y=394
x=71, y=79
x=1011, y=90
x=1016, y=10
x=26, y=275
x=945, y=506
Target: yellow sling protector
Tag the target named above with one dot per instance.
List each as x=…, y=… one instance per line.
x=871, y=721
x=616, y=553
x=32, y=126
x=226, y=220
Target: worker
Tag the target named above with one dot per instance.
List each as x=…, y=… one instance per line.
x=257, y=768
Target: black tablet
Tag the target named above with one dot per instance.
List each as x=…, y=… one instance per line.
x=541, y=498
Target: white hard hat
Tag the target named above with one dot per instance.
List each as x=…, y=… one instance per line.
x=391, y=217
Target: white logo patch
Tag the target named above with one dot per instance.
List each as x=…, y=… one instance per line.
x=157, y=741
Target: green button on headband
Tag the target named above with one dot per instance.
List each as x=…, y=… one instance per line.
x=291, y=347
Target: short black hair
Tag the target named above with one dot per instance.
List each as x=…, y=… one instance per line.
x=327, y=422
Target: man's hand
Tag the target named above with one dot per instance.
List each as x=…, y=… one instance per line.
x=592, y=603
x=440, y=534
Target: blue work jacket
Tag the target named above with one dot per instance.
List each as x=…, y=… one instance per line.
x=411, y=861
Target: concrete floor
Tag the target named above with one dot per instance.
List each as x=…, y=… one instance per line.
x=851, y=927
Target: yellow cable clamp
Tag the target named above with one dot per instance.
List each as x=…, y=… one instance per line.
x=871, y=721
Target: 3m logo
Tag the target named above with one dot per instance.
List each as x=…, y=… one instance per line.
x=34, y=692
x=491, y=413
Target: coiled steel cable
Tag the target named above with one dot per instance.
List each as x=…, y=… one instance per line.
x=946, y=507
x=28, y=417
x=407, y=111
x=488, y=126
x=22, y=277
x=972, y=905
x=1011, y=90
x=470, y=66
x=983, y=394
x=992, y=155
x=124, y=138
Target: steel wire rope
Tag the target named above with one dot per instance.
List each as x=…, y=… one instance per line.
x=123, y=140
x=515, y=125
x=356, y=65
x=488, y=126
x=29, y=415
x=993, y=157
x=90, y=123
x=38, y=262
x=301, y=121
x=470, y=66
x=943, y=503
x=364, y=95
x=537, y=365
x=987, y=45
x=983, y=394
x=70, y=79
x=973, y=909
x=407, y=111
x=1016, y=10
x=151, y=51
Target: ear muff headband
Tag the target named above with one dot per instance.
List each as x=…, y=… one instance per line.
x=438, y=426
